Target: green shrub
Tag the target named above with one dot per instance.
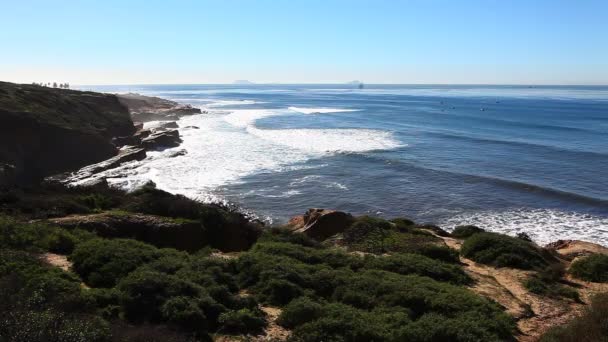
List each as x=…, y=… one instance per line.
x=279, y=291
x=243, y=321
x=591, y=268
x=374, y=235
x=102, y=263
x=32, y=236
x=463, y=232
x=421, y=265
x=284, y=235
x=160, y=297
x=299, y=311
x=51, y=325
x=504, y=251
x=550, y=289
x=97, y=201
x=184, y=312
x=471, y=326
x=592, y=325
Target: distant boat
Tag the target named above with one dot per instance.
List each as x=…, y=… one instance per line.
x=360, y=85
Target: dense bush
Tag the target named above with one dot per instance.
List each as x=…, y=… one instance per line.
x=299, y=311
x=55, y=200
x=36, y=236
x=504, y=251
x=335, y=295
x=421, y=265
x=463, y=232
x=102, y=263
x=41, y=303
x=243, y=321
x=550, y=289
x=591, y=268
x=592, y=325
x=375, y=235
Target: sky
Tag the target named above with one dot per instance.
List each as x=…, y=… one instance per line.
x=293, y=41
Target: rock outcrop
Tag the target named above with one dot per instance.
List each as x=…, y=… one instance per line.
x=160, y=231
x=570, y=249
x=320, y=224
x=125, y=155
x=45, y=131
x=149, y=108
x=161, y=139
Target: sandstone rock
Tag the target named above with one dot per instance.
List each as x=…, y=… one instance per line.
x=320, y=224
x=571, y=249
x=160, y=140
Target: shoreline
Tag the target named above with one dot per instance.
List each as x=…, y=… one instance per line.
x=526, y=217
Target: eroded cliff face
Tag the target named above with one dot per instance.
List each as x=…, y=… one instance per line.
x=45, y=131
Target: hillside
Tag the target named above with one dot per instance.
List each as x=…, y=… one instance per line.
x=44, y=130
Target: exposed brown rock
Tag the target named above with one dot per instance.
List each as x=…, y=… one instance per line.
x=535, y=314
x=571, y=249
x=321, y=223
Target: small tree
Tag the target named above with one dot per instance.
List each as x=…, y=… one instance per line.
x=54, y=84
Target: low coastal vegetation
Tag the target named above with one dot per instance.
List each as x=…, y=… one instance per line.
x=505, y=251
x=389, y=280
x=592, y=325
x=591, y=268
x=377, y=280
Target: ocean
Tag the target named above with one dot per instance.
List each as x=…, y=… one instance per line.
x=506, y=158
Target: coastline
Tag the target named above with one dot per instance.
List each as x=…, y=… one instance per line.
x=218, y=267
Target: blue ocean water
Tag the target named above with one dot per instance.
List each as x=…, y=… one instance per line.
x=509, y=158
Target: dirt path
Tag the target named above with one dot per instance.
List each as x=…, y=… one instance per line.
x=535, y=314
x=57, y=260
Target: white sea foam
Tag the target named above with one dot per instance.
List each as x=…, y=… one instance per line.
x=322, y=110
x=543, y=225
x=228, y=147
x=247, y=117
x=224, y=103
x=328, y=140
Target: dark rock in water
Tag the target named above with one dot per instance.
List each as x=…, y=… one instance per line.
x=125, y=155
x=320, y=224
x=160, y=140
x=178, y=153
x=166, y=124
x=45, y=131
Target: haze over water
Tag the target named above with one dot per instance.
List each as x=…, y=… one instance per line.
x=507, y=158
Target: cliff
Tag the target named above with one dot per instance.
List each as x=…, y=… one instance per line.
x=44, y=131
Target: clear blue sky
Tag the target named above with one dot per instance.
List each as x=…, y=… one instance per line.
x=424, y=41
